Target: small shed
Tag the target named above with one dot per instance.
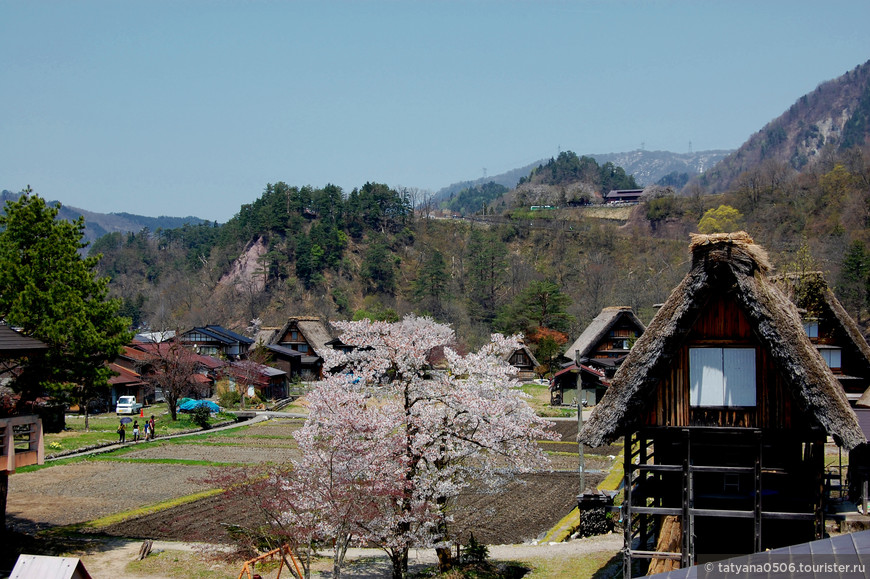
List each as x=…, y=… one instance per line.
x=44, y=567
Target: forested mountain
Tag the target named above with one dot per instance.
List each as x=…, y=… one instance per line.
x=99, y=224
x=475, y=198
x=647, y=168
x=303, y=250
x=835, y=117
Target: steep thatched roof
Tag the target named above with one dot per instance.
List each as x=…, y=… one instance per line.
x=532, y=360
x=733, y=265
x=833, y=312
x=315, y=331
x=598, y=328
x=265, y=336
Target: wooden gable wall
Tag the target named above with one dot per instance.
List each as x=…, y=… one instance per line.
x=289, y=341
x=723, y=323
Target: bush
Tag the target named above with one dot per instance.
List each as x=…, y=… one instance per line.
x=229, y=399
x=475, y=552
x=200, y=416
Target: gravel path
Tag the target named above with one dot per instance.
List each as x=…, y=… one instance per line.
x=112, y=558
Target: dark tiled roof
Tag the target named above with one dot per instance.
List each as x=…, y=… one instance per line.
x=284, y=351
x=13, y=343
x=230, y=334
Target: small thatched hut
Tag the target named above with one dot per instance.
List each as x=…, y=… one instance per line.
x=725, y=406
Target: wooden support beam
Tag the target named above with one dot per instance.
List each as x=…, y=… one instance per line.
x=758, y=487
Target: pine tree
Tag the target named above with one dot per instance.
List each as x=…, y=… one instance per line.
x=51, y=292
x=854, y=278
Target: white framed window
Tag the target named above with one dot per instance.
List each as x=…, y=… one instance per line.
x=722, y=377
x=833, y=357
x=811, y=328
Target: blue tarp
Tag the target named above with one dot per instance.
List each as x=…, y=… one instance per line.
x=191, y=405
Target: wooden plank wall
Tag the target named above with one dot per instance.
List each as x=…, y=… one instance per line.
x=723, y=324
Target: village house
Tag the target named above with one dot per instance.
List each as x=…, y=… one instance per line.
x=623, y=196
x=207, y=368
x=595, y=355
x=310, y=336
x=725, y=405
x=832, y=331
x=523, y=361
x=216, y=341
x=266, y=382
x=283, y=358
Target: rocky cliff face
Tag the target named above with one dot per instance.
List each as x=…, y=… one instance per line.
x=833, y=118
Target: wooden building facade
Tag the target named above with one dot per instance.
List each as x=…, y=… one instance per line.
x=725, y=405
x=596, y=354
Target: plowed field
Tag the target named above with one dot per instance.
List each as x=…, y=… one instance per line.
x=520, y=511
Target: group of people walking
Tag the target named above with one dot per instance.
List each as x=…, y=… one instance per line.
x=147, y=430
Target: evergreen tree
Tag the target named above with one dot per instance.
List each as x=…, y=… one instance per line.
x=378, y=268
x=431, y=284
x=51, y=292
x=854, y=278
x=487, y=261
x=541, y=305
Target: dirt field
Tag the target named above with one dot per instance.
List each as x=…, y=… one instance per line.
x=81, y=492
x=84, y=491
x=519, y=513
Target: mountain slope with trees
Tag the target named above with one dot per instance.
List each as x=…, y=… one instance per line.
x=367, y=253
x=99, y=224
x=832, y=119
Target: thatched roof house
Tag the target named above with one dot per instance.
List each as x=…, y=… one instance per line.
x=523, y=360
x=306, y=334
x=619, y=323
x=729, y=265
x=832, y=330
x=725, y=405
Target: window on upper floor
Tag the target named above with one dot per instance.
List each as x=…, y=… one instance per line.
x=722, y=377
x=519, y=359
x=811, y=328
x=833, y=357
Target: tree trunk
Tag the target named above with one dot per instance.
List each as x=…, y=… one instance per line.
x=339, y=551
x=399, y=558
x=87, y=419
x=445, y=559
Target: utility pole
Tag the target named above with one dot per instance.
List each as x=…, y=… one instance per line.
x=582, y=460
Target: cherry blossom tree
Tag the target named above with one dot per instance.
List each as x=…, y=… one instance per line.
x=335, y=492
x=442, y=426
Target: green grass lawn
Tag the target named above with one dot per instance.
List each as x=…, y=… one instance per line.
x=540, y=401
x=103, y=428
x=600, y=564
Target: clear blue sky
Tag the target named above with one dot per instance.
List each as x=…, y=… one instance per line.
x=191, y=107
